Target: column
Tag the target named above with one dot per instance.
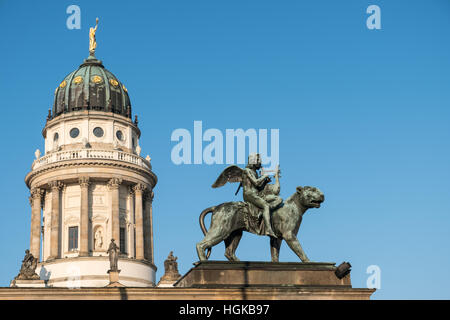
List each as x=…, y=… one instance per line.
x=113, y=185
x=54, y=220
x=84, y=216
x=148, y=226
x=35, y=241
x=131, y=224
x=138, y=190
x=151, y=228
x=43, y=235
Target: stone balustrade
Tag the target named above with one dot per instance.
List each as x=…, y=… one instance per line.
x=90, y=154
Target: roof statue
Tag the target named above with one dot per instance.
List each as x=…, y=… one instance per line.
x=92, y=41
x=171, y=268
x=113, y=252
x=263, y=212
x=28, y=268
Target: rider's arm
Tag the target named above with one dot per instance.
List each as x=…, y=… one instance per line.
x=256, y=182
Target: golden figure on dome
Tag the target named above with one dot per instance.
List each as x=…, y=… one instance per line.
x=92, y=42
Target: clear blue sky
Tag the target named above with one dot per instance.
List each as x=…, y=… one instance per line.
x=363, y=115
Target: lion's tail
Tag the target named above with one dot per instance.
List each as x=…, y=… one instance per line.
x=202, y=225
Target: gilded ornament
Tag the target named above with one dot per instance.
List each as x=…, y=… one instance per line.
x=63, y=84
x=97, y=79
x=113, y=82
x=124, y=89
x=78, y=79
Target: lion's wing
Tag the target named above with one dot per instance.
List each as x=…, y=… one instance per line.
x=231, y=174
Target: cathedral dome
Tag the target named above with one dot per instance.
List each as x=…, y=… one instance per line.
x=91, y=87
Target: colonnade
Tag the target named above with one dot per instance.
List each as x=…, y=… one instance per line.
x=143, y=226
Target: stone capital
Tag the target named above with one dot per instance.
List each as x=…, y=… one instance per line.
x=55, y=185
x=148, y=195
x=139, y=188
x=114, y=183
x=83, y=181
x=37, y=193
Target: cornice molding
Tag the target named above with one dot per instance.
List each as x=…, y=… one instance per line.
x=105, y=163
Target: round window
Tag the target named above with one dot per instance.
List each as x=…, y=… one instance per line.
x=119, y=135
x=56, y=137
x=74, y=133
x=98, y=132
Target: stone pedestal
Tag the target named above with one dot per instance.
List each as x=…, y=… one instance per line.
x=168, y=280
x=216, y=274
x=114, y=279
x=166, y=283
x=28, y=284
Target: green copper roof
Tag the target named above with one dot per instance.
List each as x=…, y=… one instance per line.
x=91, y=87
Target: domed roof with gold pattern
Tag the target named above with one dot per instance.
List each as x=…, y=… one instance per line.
x=91, y=87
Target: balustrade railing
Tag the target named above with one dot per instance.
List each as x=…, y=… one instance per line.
x=90, y=154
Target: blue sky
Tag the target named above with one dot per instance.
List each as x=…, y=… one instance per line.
x=362, y=114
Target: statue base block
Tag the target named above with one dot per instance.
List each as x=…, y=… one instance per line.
x=28, y=283
x=214, y=274
x=114, y=279
x=166, y=283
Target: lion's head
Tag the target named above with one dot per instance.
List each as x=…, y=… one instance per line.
x=310, y=197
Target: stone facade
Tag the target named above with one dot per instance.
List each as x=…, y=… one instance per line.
x=90, y=186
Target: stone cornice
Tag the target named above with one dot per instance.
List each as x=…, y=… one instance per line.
x=90, y=162
x=171, y=293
